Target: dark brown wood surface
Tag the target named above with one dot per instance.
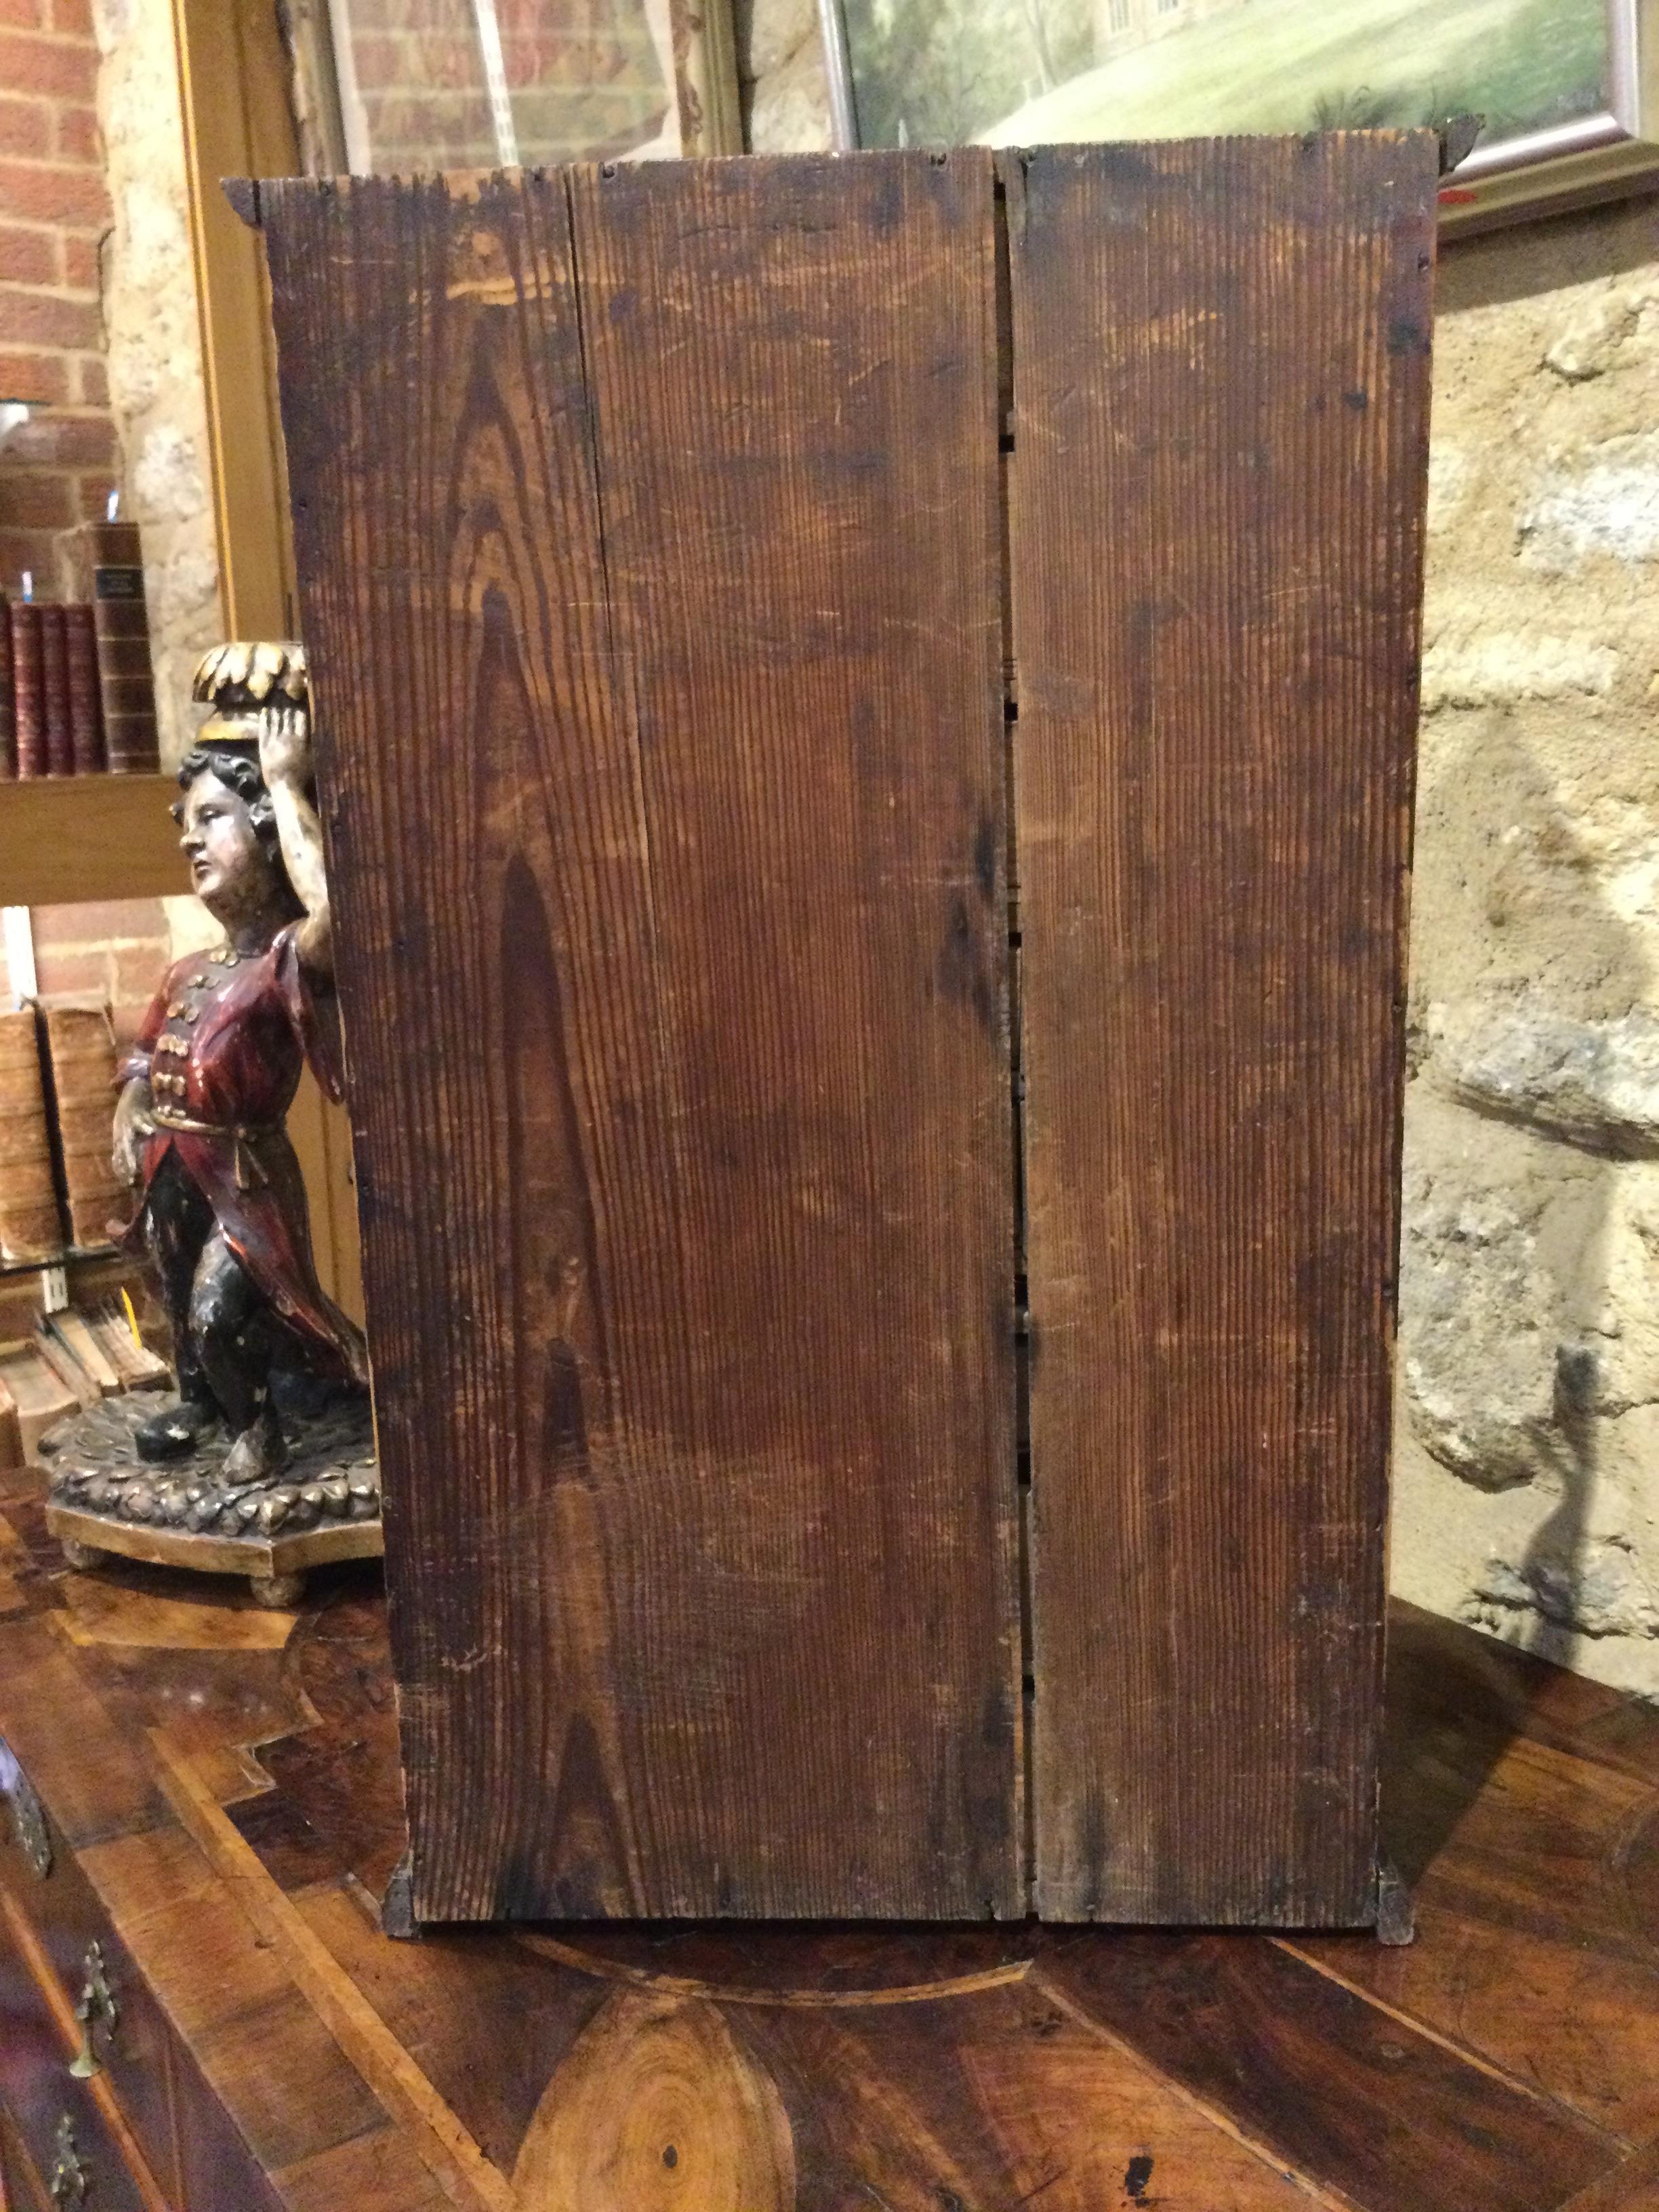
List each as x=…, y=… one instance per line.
x=1221, y=388
x=649, y=534
x=221, y=1789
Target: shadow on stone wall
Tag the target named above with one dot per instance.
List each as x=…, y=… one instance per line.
x=1537, y=1084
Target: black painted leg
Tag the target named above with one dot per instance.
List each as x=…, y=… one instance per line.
x=231, y=1333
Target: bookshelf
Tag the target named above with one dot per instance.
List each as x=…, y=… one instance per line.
x=67, y=838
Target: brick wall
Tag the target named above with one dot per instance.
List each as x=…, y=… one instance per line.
x=58, y=467
x=116, y=950
x=583, y=74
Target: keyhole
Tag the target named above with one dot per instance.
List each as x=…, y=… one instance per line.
x=670, y=2156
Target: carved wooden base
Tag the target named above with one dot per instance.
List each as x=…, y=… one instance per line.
x=324, y=1505
x=275, y=1566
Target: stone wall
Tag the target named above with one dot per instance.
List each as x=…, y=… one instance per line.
x=1527, y=1497
x=1528, y=1460
x=786, y=103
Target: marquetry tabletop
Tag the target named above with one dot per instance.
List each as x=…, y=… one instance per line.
x=221, y=1785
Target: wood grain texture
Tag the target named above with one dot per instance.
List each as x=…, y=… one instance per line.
x=921, y=2068
x=1554, y=1886
x=997, y=2099
x=648, y=542
x=1221, y=387
x=93, y=836
x=1356, y=2099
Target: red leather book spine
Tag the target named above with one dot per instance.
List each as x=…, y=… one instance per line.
x=31, y=706
x=54, y=687
x=86, y=720
x=7, y=700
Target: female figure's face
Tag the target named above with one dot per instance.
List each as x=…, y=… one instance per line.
x=232, y=876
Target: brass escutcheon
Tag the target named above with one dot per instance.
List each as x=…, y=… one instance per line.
x=97, y=2007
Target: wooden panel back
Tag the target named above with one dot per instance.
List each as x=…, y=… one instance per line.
x=647, y=533
x=1221, y=390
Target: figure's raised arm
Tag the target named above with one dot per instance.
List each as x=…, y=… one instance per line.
x=285, y=764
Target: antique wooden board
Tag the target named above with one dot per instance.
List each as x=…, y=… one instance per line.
x=1221, y=392
x=649, y=539
x=660, y=568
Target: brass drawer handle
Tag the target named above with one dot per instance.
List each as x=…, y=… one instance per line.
x=68, y=2177
x=96, y=2007
x=27, y=1820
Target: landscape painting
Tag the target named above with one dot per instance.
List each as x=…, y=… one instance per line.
x=1035, y=72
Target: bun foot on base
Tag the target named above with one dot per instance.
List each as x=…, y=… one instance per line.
x=81, y=1556
x=281, y=1592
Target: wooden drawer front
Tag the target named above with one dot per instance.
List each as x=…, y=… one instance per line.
x=56, y=1920
x=197, y=2160
x=64, y=2129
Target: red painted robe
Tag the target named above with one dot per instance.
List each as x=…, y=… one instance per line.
x=222, y=1048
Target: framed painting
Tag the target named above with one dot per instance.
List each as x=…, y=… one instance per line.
x=1568, y=89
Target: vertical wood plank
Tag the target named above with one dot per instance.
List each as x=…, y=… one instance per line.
x=1221, y=390
x=651, y=583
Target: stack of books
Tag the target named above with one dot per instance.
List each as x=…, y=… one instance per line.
x=59, y=1193
x=31, y=1223
x=59, y=1201
x=73, y=1359
x=77, y=694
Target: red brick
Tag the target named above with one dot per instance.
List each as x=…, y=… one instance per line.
x=72, y=971
x=138, y=973
x=42, y=191
x=65, y=68
x=82, y=926
x=25, y=125
x=33, y=318
x=40, y=377
x=71, y=18
x=80, y=264
x=92, y=496
x=404, y=15
x=23, y=15
x=377, y=64
x=22, y=549
x=36, y=501
x=93, y=381
x=63, y=442
x=27, y=256
x=79, y=138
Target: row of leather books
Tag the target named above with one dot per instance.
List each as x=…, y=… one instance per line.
x=58, y=1188
x=73, y=1359
x=77, y=694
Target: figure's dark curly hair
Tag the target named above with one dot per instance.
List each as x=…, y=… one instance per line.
x=239, y=771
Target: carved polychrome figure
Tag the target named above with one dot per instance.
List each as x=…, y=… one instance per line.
x=264, y=1463
x=214, y=1070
